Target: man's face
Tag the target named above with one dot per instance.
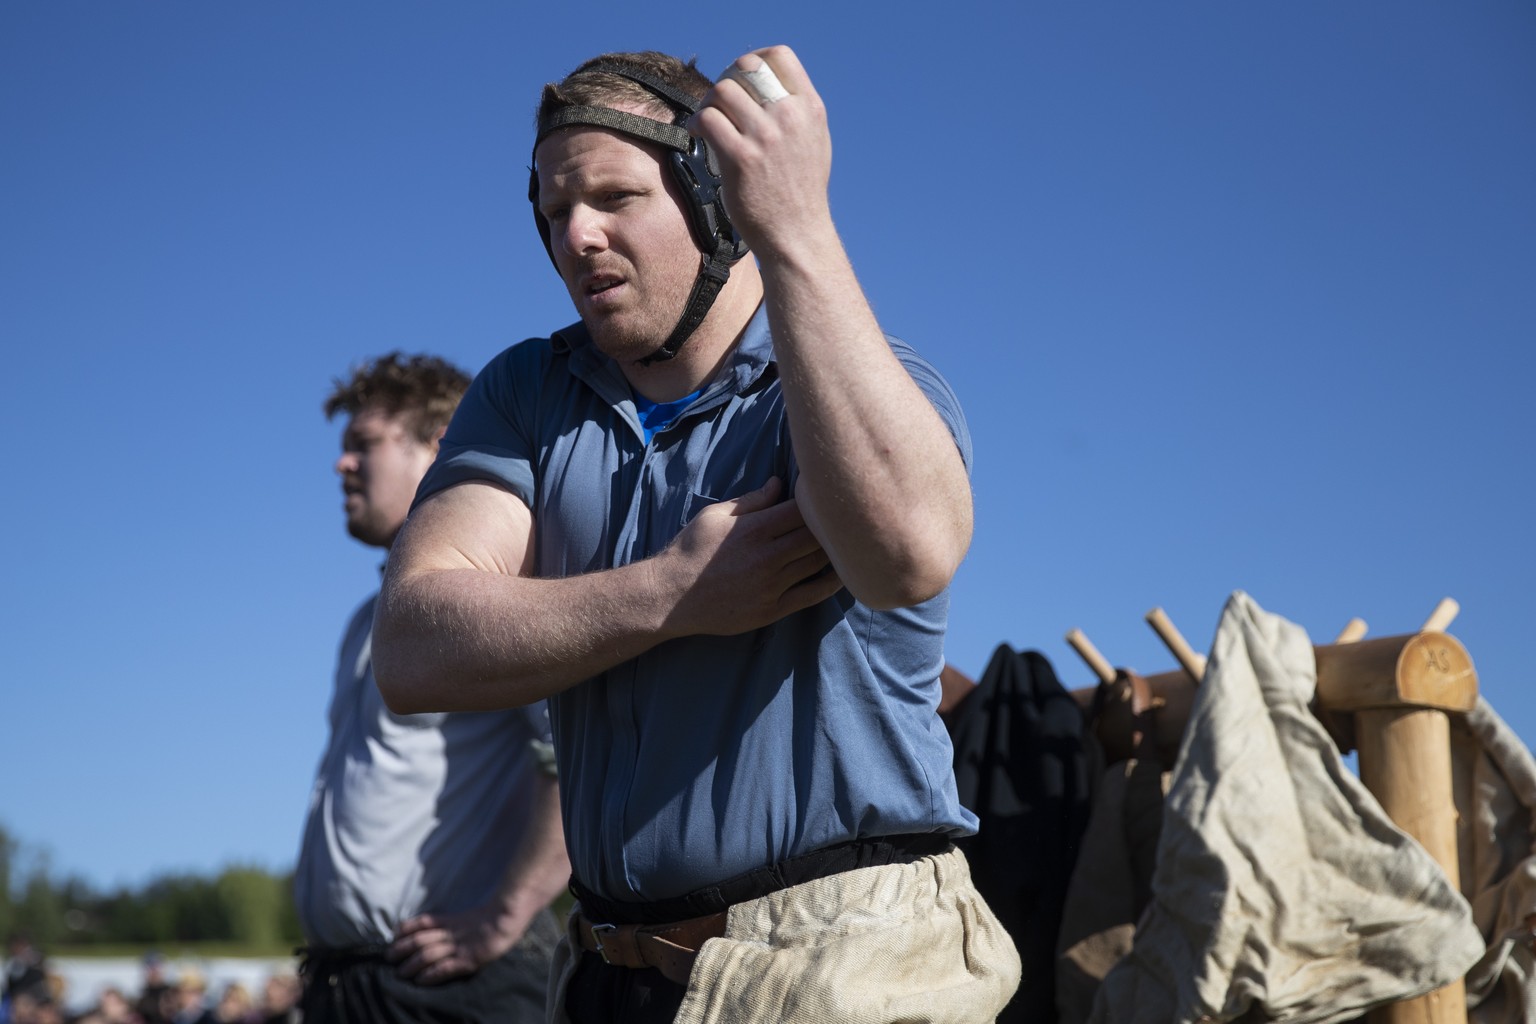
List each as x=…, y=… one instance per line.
x=381, y=463
x=620, y=237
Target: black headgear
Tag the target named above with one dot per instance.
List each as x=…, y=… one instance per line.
x=697, y=173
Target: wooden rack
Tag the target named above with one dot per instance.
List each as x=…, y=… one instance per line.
x=1392, y=695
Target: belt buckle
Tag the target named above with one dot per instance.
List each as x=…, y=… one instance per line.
x=598, y=931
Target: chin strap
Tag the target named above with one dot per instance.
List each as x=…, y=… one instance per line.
x=714, y=271
x=697, y=173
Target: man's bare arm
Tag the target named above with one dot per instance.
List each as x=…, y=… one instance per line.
x=882, y=483
x=461, y=624
x=433, y=948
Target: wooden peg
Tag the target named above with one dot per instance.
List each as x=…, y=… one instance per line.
x=1444, y=614
x=1089, y=653
x=1353, y=630
x=1193, y=663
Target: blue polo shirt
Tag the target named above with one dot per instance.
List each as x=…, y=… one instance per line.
x=707, y=756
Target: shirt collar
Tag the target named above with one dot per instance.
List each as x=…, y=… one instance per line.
x=750, y=357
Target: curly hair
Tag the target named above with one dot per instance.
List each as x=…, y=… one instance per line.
x=583, y=88
x=423, y=390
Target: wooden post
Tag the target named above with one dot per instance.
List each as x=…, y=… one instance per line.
x=1400, y=690
x=1405, y=760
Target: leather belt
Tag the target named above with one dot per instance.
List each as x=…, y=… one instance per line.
x=670, y=948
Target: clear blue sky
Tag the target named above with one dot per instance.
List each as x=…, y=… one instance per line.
x=1237, y=296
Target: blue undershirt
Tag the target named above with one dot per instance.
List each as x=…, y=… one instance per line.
x=658, y=416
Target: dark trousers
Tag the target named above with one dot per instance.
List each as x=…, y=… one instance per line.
x=601, y=994
x=358, y=986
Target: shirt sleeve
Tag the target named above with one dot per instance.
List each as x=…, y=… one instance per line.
x=940, y=395
x=491, y=437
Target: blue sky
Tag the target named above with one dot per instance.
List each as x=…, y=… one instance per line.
x=1236, y=296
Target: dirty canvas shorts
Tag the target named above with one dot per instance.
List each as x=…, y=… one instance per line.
x=911, y=942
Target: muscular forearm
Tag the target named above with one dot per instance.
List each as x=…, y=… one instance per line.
x=468, y=639
x=432, y=948
x=540, y=870
x=462, y=625
x=882, y=483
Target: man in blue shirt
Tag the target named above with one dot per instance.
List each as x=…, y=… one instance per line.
x=714, y=522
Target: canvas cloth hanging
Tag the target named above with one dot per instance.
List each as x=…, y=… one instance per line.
x=1282, y=890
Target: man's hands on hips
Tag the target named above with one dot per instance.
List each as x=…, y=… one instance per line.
x=433, y=948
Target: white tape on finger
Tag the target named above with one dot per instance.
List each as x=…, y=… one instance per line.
x=761, y=82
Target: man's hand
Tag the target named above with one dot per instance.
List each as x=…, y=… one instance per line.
x=741, y=565
x=775, y=158
x=434, y=948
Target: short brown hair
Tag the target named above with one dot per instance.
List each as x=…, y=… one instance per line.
x=423, y=390
x=583, y=88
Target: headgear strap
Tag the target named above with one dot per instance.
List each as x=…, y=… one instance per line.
x=696, y=171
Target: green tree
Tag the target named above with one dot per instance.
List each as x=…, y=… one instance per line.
x=40, y=911
x=7, y=858
x=253, y=902
x=244, y=905
x=199, y=914
x=292, y=930
x=118, y=918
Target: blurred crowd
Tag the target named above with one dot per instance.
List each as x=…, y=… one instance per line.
x=34, y=994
